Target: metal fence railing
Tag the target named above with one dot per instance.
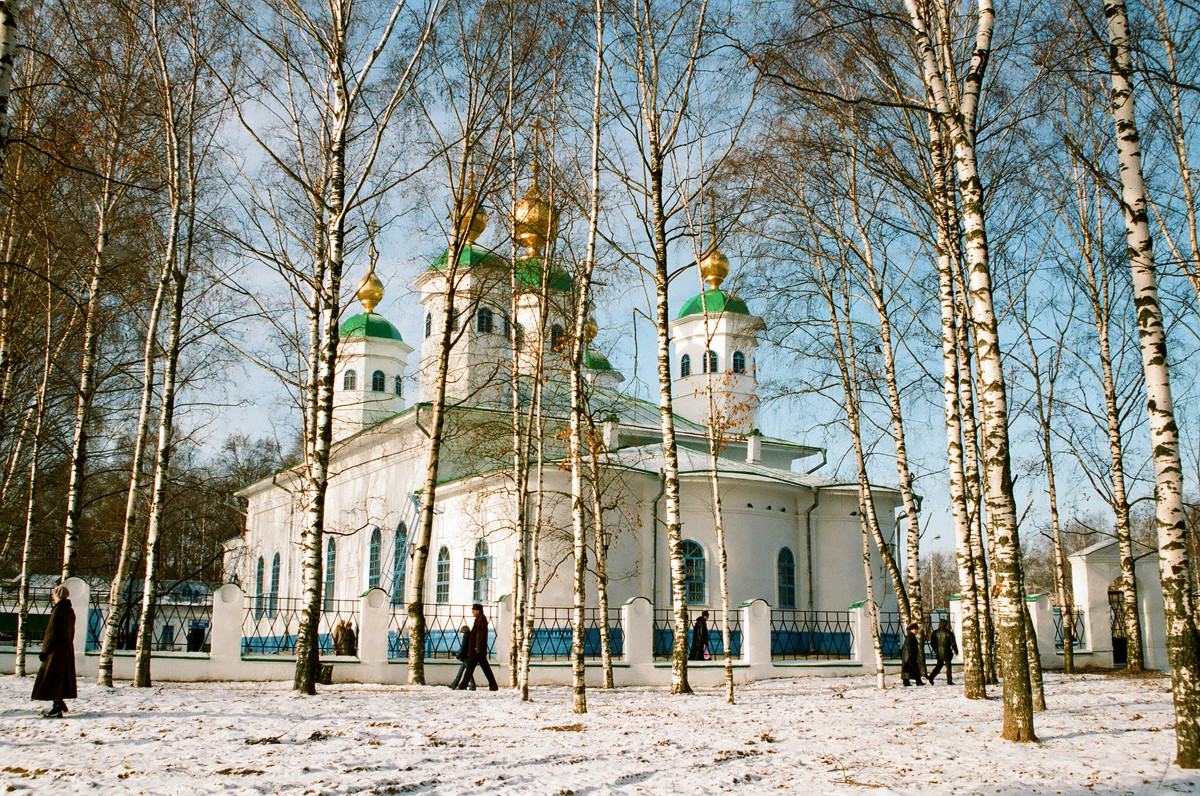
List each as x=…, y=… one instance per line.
x=664, y=633
x=811, y=635
x=274, y=632
x=1079, y=627
x=179, y=624
x=398, y=633
x=552, y=633
x=443, y=630
x=36, y=619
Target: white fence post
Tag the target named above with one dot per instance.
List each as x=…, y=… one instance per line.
x=374, y=616
x=637, y=616
x=756, y=629
x=81, y=602
x=229, y=608
x=860, y=619
x=503, y=628
x=1043, y=626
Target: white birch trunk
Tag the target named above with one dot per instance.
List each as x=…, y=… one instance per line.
x=974, y=680
x=34, y=469
x=1183, y=642
x=162, y=464
x=9, y=10
x=87, y=389
x=1001, y=506
x=133, y=501
x=601, y=552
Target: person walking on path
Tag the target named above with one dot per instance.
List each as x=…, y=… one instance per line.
x=55, y=681
x=910, y=657
x=464, y=654
x=945, y=647
x=699, y=650
x=477, y=649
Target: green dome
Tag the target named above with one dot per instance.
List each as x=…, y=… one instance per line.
x=714, y=301
x=529, y=273
x=594, y=360
x=529, y=269
x=368, y=324
x=471, y=256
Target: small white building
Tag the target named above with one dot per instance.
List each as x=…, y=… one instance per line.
x=793, y=537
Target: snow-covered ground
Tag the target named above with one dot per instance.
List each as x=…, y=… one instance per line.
x=809, y=735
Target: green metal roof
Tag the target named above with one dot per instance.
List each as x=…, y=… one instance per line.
x=714, y=301
x=471, y=256
x=529, y=269
x=594, y=360
x=529, y=273
x=368, y=324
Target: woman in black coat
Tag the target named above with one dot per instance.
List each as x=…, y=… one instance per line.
x=699, y=650
x=55, y=680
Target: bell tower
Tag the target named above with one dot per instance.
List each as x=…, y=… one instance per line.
x=368, y=382
x=715, y=337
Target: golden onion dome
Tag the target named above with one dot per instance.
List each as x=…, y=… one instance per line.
x=536, y=220
x=370, y=289
x=469, y=229
x=590, y=329
x=714, y=267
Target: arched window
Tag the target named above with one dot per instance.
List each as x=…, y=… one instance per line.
x=373, y=556
x=378, y=382
x=483, y=320
x=442, y=592
x=556, y=337
x=693, y=572
x=507, y=327
x=399, y=564
x=399, y=386
x=453, y=319
x=787, y=579
x=259, y=596
x=428, y=323
x=710, y=361
x=273, y=600
x=482, y=571
x=685, y=366
x=519, y=337
x=349, y=381
x=739, y=362
x=330, y=575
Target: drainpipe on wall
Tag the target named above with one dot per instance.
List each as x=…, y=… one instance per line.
x=816, y=490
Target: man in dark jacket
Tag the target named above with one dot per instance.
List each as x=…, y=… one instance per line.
x=910, y=657
x=477, y=648
x=55, y=680
x=945, y=647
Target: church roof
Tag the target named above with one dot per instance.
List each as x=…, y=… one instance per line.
x=594, y=360
x=368, y=324
x=528, y=269
x=650, y=458
x=716, y=300
x=470, y=257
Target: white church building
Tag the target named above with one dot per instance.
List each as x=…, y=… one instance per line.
x=794, y=538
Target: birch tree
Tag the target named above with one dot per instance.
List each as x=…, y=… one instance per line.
x=328, y=112
x=113, y=77
x=1183, y=642
x=958, y=111
x=579, y=342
